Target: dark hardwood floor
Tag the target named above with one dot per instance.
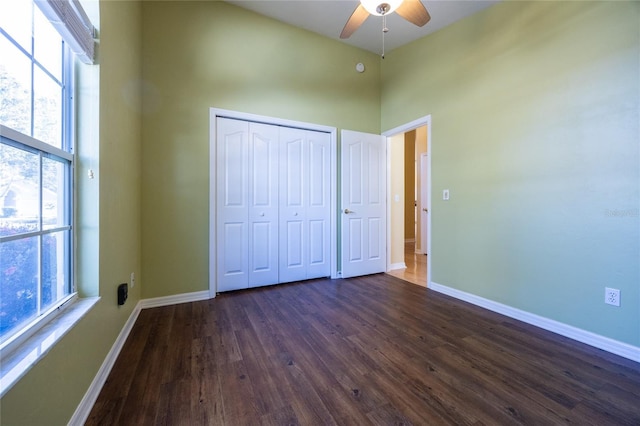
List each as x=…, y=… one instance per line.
x=369, y=350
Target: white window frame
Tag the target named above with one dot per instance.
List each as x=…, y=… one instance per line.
x=8, y=136
x=26, y=346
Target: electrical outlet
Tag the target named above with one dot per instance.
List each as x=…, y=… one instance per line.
x=612, y=296
x=123, y=293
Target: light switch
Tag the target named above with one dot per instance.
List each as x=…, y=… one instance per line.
x=445, y=194
x=396, y=198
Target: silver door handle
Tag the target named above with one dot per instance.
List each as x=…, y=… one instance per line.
x=347, y=211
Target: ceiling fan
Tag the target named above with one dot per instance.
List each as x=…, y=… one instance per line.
x=411, y=10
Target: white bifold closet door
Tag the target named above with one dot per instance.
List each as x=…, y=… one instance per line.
x=272, y=198
x=304, y=204
x=247, y=204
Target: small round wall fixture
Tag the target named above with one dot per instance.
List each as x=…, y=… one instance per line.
x=360, y=67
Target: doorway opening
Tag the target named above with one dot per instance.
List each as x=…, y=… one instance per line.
x=409, y=201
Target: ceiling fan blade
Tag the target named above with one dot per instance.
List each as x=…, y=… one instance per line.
x=414, y=12
x=357, y=18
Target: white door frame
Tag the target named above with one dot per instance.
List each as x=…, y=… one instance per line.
x=217, y=112
x=420, y=122
x=424, y=197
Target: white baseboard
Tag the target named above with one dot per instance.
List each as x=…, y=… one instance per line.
x=601, y=342
x=84, y=408
x=156, y=302
x=399, y=265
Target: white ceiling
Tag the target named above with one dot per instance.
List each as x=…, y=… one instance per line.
x=328, y=17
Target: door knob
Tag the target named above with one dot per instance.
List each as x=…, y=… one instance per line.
x=347, y=211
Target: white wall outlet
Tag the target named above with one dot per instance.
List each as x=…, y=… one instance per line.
x=132, y=281
x=612, y=296
x=445, y=194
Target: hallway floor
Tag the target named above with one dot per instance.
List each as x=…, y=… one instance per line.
x=416, y=270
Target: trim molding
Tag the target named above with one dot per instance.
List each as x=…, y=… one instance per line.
x=24, y=352
x=84, y=408
x=156, y=302
x=86, y=404
x=399, y=265
x=601, y=342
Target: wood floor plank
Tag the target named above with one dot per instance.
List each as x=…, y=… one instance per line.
x=522, y=402
x=205, y=394
x=388, y=415
x=285, y=416
x=118, y=386
x=261, y=373
x=238, y=399
x=140, y=404
x=369, y=350
x=174, y=403
x=391, y=373
x=625, y=403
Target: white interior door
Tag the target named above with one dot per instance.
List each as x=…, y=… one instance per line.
x=363, y=208
x=293, y=172
x=232, y=231
x=263, y=204
x=247, y=200
x=304, y=204
x=319, y=205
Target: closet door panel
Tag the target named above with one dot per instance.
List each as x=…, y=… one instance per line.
x=294, y=168
x=318, y=208
x=261, y=259
x=232, y=236
x=318, y=170
x=317, y=245
x=293, y=187
x=292, y=253
x=263, y=204
x=294, y=236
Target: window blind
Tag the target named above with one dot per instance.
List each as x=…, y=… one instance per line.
x=73, y=24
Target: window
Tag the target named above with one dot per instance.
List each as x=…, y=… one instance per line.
x=36, y=169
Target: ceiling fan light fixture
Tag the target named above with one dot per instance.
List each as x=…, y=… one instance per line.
x=380, y=7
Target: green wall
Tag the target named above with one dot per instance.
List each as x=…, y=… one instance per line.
x=534, y=108
x=198, y=55
x=535, y=112
x=109, y=223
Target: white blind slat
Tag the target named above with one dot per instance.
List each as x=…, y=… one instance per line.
x=68, y=17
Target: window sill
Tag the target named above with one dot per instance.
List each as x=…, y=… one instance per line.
x=17, y=363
